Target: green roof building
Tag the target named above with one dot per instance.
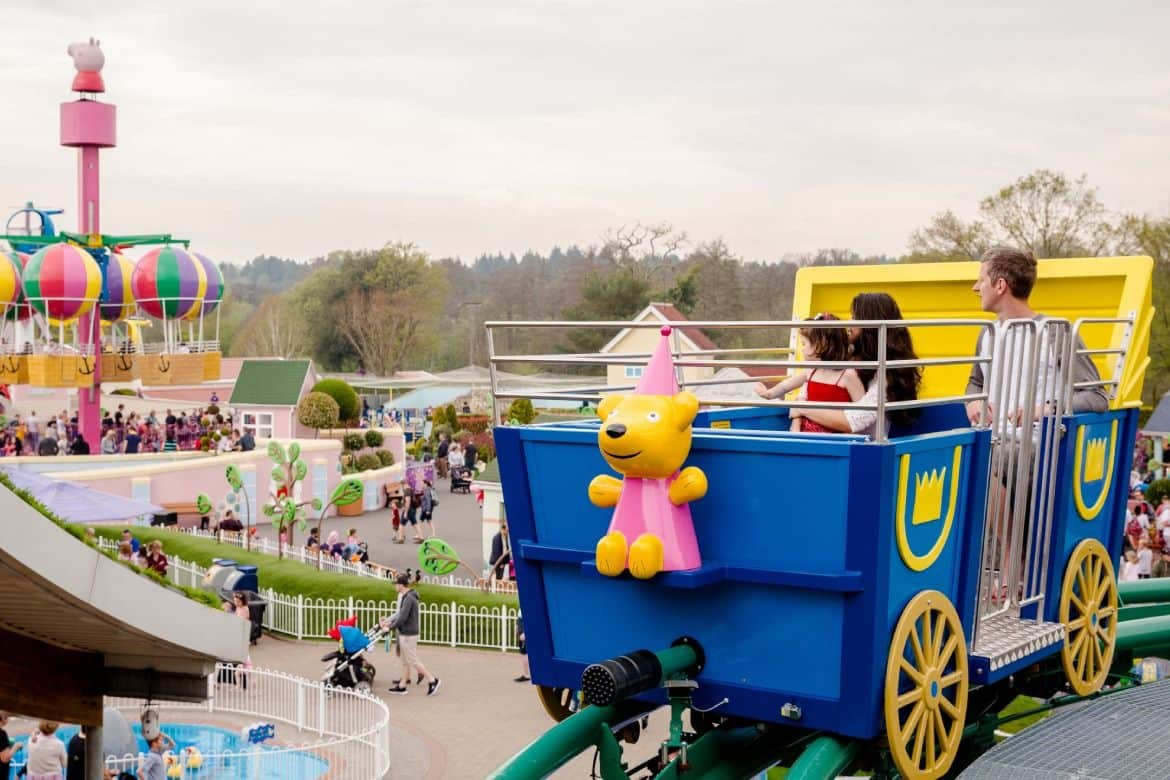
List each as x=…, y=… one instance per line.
x=266, y=396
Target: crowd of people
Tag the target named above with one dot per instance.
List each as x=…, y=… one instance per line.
x=124, y=433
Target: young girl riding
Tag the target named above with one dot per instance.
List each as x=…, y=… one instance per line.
x=819, y=384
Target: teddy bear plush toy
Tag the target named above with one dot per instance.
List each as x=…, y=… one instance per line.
x=646, y=436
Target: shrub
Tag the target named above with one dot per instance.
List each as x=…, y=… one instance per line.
x=485, y=446
x=353, y=441
x=386, y=457
x=212, y=409
x=439, y=416
x=440, y=429
x=374, y=438
x=349, y=406
x=1156, y=489
x=368, y=462
x=415, y=449
x=521, y=410
x=317, y=411
x=452, y=417
x=476, y=423
x=125, y=391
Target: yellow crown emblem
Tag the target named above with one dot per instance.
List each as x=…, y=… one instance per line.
x=928, y=490
x=1095, y=460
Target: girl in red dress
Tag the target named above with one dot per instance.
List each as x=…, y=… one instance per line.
x=819, y=384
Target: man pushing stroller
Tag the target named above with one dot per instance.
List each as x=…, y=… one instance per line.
x=406, y=621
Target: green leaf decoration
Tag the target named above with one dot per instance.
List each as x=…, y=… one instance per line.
x=276, y=523
x=203, y=504
x=277, y=475
x=302, y=524
x=300, y=470
x=346, y=492
x=276, y=452
x=437, y=557
x=294, y=451
x=234, y=478
x=268, y=509
x=317, y=504
x=289, y=513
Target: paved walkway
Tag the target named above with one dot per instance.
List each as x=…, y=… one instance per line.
x=477, y=720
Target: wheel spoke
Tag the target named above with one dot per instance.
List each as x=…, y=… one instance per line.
x=1074, y=647
x=1105, y=613
x=912, y=672
x=940, y=729
x=919, y=655
x=946, y=681
x=1082, y=587
x=948, y=652
x=949, y=706
x=1082, y=657
x=927, y=641
x=909, y=728
x=1075, y=601
x=919, y=739
x=911, y=696
x=939, y=632
x=1095, y=659
x=1103, y=597
x=930, y=739
x=1075, y=625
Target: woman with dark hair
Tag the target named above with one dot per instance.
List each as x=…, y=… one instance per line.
x=902, y=384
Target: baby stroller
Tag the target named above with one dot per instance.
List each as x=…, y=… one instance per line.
x=461, y=480
x=346, y=667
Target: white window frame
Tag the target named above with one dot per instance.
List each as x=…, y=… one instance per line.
x=256, y=421
x=634, y=372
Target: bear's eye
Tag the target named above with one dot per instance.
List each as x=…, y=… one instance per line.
x=652, y=417
x=612, y=414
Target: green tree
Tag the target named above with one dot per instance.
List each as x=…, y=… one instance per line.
x=521, y=410
x=318, y=411
x=617, y=295
x=349, y=406
x=1044, y=212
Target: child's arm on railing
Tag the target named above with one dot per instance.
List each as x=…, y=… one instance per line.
x=783, y=387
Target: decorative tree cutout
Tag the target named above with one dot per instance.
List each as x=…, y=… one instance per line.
x=439, y=558
x=286, y=512
x=236, y=480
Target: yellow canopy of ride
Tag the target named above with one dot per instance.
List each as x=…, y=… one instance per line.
x=1068, y=288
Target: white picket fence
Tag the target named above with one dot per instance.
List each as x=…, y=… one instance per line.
x=353, y=729
x=338, y=566
x=455, y=625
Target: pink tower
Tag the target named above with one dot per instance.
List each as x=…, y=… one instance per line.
x=89, y=125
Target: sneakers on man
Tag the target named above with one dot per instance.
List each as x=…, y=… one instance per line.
x=433, y=686
x=397, y=689
x=521, y=678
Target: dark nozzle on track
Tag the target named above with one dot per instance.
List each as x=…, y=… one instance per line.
x=620, y=678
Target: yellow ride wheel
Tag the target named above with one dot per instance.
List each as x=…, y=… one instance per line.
x=557, y=702
x=1088, y=610
x=926, y=687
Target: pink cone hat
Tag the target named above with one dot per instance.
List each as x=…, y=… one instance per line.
x=659, y=377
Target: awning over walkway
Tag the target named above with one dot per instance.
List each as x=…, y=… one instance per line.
x=76, y=503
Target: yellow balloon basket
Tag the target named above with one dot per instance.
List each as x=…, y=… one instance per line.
x=212, y=363
x=155, y=370
x=60, y=370
x=14, y=369
x=119, y=368
x=186, y=369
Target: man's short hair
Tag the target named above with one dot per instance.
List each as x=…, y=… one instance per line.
x=402, y=579
x=1017, y=267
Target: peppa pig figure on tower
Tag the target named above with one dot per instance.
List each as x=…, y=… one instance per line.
x=89, y=60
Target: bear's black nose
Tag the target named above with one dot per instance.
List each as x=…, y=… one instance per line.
x=615, y=431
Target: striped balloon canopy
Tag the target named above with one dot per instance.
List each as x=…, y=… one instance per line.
x=62, y=282
x=11, y=270
x=19, y=308
x=169, y=283
x=119, y=300
x=215, y=287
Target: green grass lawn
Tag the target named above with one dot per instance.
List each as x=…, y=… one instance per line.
x=293, y=577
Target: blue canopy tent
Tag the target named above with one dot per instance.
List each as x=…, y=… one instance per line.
x=77, y=503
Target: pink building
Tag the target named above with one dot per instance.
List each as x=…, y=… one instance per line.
x=266, y=394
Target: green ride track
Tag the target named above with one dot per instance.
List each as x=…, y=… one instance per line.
x=734, y=749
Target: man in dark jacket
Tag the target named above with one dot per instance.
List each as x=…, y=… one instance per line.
x=406, y=621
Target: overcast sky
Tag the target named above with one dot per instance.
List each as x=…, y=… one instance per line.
x=293, y=128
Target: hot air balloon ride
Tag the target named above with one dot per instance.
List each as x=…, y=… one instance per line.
x=206, y=341
x=13, y=367
x=169, y=284
x=116, y=307
x=62, y=283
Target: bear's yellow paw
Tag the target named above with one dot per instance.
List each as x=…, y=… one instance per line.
x=691, y=485
x=604, y=490
x=611, y=554
x=646, y=556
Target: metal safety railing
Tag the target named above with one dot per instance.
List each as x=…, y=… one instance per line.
x=715, y=359
x=1031, y=382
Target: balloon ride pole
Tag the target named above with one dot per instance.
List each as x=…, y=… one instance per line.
x=89, y=126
